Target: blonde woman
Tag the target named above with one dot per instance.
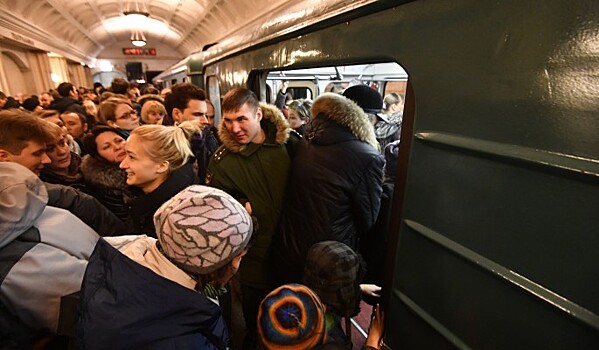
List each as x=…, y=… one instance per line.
x=157, y=164
x=152, y=112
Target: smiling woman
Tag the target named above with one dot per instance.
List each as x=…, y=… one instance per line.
x=157, y=167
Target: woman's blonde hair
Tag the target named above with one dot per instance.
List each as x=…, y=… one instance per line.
x=168, y=143
x=392, y=99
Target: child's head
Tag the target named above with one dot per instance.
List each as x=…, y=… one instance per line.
x=205, y=232
x=291, y=316
x=334, y=271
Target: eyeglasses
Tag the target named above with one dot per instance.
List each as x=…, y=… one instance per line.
x=130, y=114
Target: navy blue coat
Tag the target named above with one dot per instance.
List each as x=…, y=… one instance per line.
x=125, y=305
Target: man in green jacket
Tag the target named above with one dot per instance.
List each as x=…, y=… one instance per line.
x=252, y=165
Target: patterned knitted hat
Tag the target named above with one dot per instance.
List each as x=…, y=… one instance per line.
x=202, y=228
x=291, y=317
x=334, y=271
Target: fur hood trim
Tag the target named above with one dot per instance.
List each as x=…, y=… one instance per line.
x=103, y=174
x=345, y=112
x=270, y=113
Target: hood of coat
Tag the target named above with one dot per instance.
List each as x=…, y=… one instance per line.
x=23, y=198
x=345, y=112
x=273, y=122
x=103, y=174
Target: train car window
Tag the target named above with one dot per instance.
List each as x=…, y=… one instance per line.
x=309, y=83
x=213, y=90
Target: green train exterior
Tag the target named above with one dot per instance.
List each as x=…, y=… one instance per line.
x=495, y=230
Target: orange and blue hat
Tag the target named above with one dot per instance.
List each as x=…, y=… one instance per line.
x=291, y=317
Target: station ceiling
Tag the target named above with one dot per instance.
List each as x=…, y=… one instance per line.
x=85, y=28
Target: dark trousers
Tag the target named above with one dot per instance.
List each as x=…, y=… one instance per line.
x=250, y=300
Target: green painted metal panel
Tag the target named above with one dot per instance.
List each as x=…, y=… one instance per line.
x=500, y=228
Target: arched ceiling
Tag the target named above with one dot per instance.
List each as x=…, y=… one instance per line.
x=90, y=26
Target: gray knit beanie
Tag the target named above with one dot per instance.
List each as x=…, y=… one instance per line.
x=202, y=228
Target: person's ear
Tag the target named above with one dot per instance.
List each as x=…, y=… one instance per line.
x=111, y=124
x=237, y=259
x=162, y=167
x=259, y=114
x=177, y=115
x=4, y=155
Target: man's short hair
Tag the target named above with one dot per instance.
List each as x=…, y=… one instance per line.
x=18, y=127
x=119, y=86
x=237, y=97
x=2, y=95
x=180, y=96
x=64, y=89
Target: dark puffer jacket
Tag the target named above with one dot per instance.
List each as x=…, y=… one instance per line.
x=125, y=305
x=335, y=185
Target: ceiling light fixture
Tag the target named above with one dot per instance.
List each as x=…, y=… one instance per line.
x=137, y=18
x=138, y=38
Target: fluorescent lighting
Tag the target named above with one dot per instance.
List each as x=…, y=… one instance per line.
x=138, y=43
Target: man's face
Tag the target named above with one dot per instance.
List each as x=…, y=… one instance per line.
x=196, y=109
x=45, y=100
x=74, y=93
x=75, y=127
x=210, y=115
x=33, y=156
x=244, y=124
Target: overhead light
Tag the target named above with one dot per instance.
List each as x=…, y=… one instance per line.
x=138, y=43
x=138, y=38
x=137, y=18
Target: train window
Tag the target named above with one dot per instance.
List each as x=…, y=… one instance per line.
x=309, y=83
x=214, y=96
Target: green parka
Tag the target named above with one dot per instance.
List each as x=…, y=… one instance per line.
x=256, y=173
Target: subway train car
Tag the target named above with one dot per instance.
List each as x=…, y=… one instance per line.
x=495, y=226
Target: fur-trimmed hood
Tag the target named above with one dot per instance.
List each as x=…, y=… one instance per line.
x=345, y=112
x=273, y=122
x=103, y=174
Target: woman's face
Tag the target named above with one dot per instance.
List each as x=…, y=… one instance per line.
x=142, y=171
x=153, y=118
x=111, y=146
x=294, y=119
x=126, y=118
x=59, y=153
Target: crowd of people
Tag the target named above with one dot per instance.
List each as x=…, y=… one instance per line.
x=124, y=215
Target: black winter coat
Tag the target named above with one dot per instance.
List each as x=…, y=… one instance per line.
x=67, y=104
x=107, y=182
x=335, y=185
x=143, y=207
x=86, y=208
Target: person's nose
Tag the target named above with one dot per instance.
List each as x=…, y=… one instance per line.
x=124, y=163
x=235, y=127
x=46, y=159
x=204, y=120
